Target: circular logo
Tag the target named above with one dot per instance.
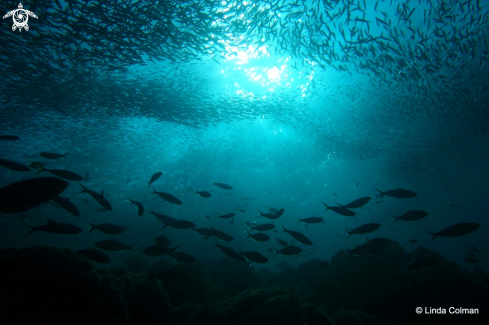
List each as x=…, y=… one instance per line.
x=20, y=18
x=419, y=310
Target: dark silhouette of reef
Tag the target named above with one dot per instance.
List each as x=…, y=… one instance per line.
x=41, y=284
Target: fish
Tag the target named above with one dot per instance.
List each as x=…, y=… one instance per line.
x=453, y=205
x=170, y=276
x=358, y=203
x=36, y=164
x=398, y=193
x=179, y=224
x=225, y=216
x=21, y=196
x=411, y=215
x=222, y=235
x=98, y=197
x=161, y=217
x=52, y=156
x=421, y=263
x=9, y=137
x=113, y=245
x=67, y=205
x=340, y=210
x=372, y=246
x=204, y=194
x=288, y=250
x=231, y=253
x=153, y=178
x=324, y=264
x=167, y=197
x=182, y=257
x=335, y=194
x=311, y=220
x=413, y=241
x=262, y=227
x=259, y=237
x=14, y=166
x=107, y=228
x=139, y=205
x=272, y=215
x=206, y=232
x=255, y=257
x=241, y=210
x=56, y=228
x=298, y=236
x=61, y=173
x=162, y=240
x=363, y=229
x=87, y=177
x=281, y=241
x=456, y=230
x=158, y=250
x=223, y=186
x=94, y=255
x=472, y=260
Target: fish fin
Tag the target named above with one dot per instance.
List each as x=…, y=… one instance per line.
x=31, y=231
x=434, y=235
x=259, y=212
x=395, y=218
x=349, y=234
x=298, y=222
x=65, y=155
x=325, y=206
x=149, y=184
x=132, y=202
x=130, y=248
x=285, y=230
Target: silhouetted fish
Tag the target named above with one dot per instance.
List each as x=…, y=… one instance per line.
x=56, y=228
x=254, y=257
x=140, y=207
x=61, y=173
x=113, y=245
x=14, y=165
x=204, y=194
x=107, y=228
x=358, y=203
x=298, y=236
x=311, y=220
x=49, y=155
x=341, y=210
x=230, y=252
x=398, y=193
x=458, y=229
x=167, y=197
x=98, y=197
x=363, y=229
x=94, y=255
x=411, y=215
x=67, y=205
x=223, y=186
x=259, y=237
x=154, y=178
x=9, y=137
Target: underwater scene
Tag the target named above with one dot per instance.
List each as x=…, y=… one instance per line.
x=292, y=162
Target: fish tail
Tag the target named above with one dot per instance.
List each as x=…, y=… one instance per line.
x=84, y=188
x=276, y=252
x=32, y=228
x=132, y=250
x=93, y=227
x=325, y=206
x=259, y=212
x=65, y=155
x=41, y=169
x=284, y=229
x=381, y=195
x=349, y=234
x=396, y=218
x=132, y=202
x=434, y=235
x=298, y=222
x=154, y=191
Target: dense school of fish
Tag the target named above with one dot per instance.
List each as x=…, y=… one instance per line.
x=435, y=48
x=24, y=195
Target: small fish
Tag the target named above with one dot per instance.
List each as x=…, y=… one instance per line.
x=363, y=229
x=98, y=197
x=223, y=186
x=298, y=236
x=9, y=137
x=162, y=240
x=67, y=205
x=232, y=221
x=226, y=216
x=56, y=228
x=113, y=245
x=139, y=205
x=453, y=205
x=398, y=193
x=204, y=194
x=411, y=215
x=281, y=242
x=167, y=197
x=61, y=173
x=455, y=230
x=36, y=164
x=358, y=203
x=24, y=195
x=241, y=210
x=107, y=228
x=230, y=252
x=259, y=237
x=14, y=165
x=311, y=220
x=335, y=194
x=94, y=255
x=153, y=178
x=53, y=156
x=288, y=250
x=254, y=256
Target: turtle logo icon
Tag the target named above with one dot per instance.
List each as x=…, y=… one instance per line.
x=20, y=17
